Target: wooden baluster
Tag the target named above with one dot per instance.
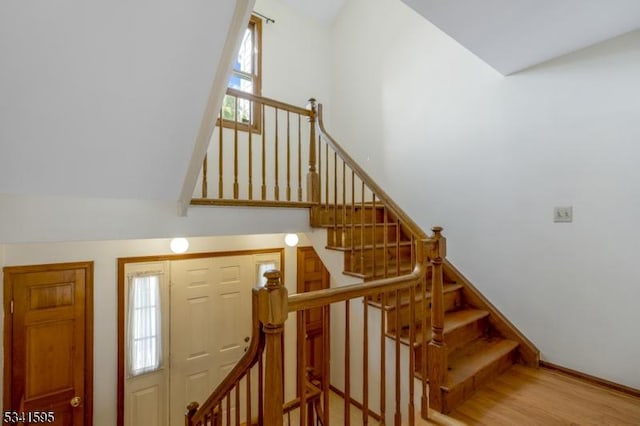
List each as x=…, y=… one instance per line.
x=383, y=359
x=272, y=314
x=398, y=412
x=288, y=157
x=424, y=406
x=235, y=155
x=320, y=184
x=192, y=409
x=412, y=353
x=263, y=188
x=302, y=365
x=237, y=403
x=228, y=409
x=250, y=162
x=248, y=397
x=220, y=158
x=216, y=415
x=205, y=188
x=365, y=363
x=344, y=201
x=362, y=246
x=385, y=243
x=353, y=222
x=276, y=187
x=335, y=187
x=347, y=366
x=374, y=223
x=437, y=346
x=326, y=376
x=299, y=158
x=313, y=178
x=261, y=388
x=398, y=247
x=326, y=176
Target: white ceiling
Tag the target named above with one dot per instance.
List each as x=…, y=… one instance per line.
x=511, y=35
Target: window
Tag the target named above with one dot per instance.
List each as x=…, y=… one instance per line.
x=245, y=77
x=263, y=267
x=144, y=340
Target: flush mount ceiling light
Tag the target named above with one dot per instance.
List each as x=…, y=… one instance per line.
x=291, y=240
x=179, y=245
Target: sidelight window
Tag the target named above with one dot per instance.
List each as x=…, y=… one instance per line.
x=144, y=339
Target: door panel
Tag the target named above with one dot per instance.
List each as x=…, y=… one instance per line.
x=312, y=275
x=48, y=343
x=211, y=317
x=192, y=353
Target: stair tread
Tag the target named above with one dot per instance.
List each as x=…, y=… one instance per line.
x=472, y=358
x=452, y=321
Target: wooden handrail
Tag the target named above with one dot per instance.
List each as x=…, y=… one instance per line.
x=375, y=188
x=197, y=413
x=319, y=298
x=268, y=102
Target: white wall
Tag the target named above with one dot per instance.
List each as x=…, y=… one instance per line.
x=296, y=55
x=48, y=219
x=105, y=254
x=491, y=156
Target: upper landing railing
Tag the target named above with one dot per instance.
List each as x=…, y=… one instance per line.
x=257, y=158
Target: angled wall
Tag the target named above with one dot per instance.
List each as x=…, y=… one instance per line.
x=488, y=157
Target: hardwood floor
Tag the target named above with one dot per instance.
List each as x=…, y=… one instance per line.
x=527, y=396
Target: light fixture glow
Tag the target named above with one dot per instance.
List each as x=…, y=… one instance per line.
x=179, y=245
x=291, y=240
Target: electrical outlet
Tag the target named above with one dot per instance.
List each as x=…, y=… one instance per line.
x=563, y=214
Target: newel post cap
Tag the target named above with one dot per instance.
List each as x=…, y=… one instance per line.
x=273, y=300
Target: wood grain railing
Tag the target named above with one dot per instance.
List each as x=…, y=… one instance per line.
x=344, y=187
x=229, y=402
x=259, y=154
x=383, y=244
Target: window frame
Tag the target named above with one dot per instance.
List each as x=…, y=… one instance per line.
x=255, y=26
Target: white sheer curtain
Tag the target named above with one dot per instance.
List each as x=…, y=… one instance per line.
x=144, y=330
x=262, y=268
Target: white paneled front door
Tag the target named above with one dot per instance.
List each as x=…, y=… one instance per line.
x=210, y=325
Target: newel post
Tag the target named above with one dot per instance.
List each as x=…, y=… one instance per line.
x=191, y=411
x=272, y=312
x=313, y=178
x=437, y=347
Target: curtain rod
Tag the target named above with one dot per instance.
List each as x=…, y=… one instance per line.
x=265, y=17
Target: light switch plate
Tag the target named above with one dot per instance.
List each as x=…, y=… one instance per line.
x=563, y=214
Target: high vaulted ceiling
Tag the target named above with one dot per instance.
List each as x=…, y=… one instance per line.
x=511, y=35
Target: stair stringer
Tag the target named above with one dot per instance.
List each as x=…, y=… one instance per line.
x=528, y=353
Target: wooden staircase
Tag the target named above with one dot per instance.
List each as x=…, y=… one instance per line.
x=455, y=338
x=374, y=246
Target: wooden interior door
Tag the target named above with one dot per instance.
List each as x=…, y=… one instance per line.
x=48, y=342
x=312, y=275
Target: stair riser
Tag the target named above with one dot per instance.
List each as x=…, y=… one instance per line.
x=452, y=300
x=454, y=397
x=346, y=237
x=355, y=260
x=457, y=338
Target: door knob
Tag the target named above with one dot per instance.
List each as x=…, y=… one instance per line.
x=75, y=401
x=246, y=339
